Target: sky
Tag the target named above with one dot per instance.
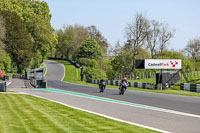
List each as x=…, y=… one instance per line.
x=112, y=16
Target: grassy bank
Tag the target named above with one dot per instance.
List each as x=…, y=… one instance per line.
x=147, y=80
x=72, y=75
x=27, y=114
x=45, y=69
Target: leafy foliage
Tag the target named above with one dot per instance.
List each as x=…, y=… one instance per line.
x=95, y=73
x=2, y=33
x=5, y=61
x=35, y=16
x=95, y=34
x=90, y=49
x=69, y=40
x=18, y=41
x=88, y=62
x=122, y=62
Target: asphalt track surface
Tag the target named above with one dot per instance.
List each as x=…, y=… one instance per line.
x=180, y=114
x=173, y=102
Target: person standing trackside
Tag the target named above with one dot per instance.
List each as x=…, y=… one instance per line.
x=83, y=73
x=1, y=74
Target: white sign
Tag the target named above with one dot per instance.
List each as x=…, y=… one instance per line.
x=163, y=64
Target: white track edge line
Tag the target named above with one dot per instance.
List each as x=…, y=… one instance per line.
x=106, y=116
x=159, y=109
x=155, y=108
x=64, y=71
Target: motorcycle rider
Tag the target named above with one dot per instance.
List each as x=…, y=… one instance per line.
x=101, y=82
x=122, y=81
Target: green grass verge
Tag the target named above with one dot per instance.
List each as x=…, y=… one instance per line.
x=45, y=69
x=10, y=75
x=71, y=76
x=193, y=77
x=148, y=80
x=27, y=114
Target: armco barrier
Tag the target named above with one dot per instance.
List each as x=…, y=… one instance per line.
x=190, y=87
x=131, y=84
x=135, y=84
x=18, y=76
x=2, y=86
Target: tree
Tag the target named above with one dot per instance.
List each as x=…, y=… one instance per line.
x=122, y=63
x=2, y=33
x=90, y=49
x=165, y=35
x=36, y=16
x=153, y=38
x=193, y=49
x=158, y=36
x=44, y=38
x=18, y=42
x=61, y=46
x=95, y=34
x=5, y=61
x=116, y=50
x=69, y=40
x=136, y=33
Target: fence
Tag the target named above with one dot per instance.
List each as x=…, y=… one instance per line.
x=190, y=76
x=190, y=87
x=18, y=76
x=138, y=75
x=131, y=84
x=2, y=86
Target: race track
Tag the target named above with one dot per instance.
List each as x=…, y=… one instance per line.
x=167, y=113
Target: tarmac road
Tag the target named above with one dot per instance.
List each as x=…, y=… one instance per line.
x=169, y=113
x=173, y=102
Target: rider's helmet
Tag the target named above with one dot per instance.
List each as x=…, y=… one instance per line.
x=102, y=78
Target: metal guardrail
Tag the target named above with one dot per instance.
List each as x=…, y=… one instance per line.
x=36, y=77
x=190, y=87
x=131, y=84
x=2, y=86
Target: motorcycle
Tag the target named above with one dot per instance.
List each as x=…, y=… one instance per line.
x=102, y=87
x=122, y=88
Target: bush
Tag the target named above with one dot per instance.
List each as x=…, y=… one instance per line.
x=90, y=49
x=111, y=74
x=88, y=62
x=95, y=73
x=5, y=62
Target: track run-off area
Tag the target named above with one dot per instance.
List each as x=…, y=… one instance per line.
x=161, y=112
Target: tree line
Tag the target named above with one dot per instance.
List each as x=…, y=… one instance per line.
x=26, y=35
x=145, y=39
x=27, y=38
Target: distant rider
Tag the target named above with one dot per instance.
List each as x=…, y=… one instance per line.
x=101, y=82
x=122, y=81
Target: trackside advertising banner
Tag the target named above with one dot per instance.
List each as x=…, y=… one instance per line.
x=163, y=64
